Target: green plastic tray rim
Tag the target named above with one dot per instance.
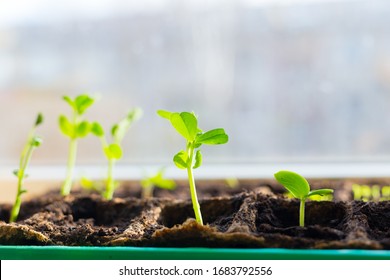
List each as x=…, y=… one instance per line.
x=137, y=253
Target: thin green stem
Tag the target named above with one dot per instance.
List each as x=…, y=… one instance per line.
x=65, y=190
x=302, y=213
x=194, y=197
x=24, y=160
x=15, y=209
x=110, y=180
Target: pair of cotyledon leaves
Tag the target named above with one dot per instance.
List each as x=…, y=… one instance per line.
x=118, y=131
x=297, y=185
x=186, y=124
x=76, y=129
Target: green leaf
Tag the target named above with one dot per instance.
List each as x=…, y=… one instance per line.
x=113, y=151
x=186, y=124
x=119, y=130
x=16, y=172
x=65, y=126
x=82, y=103
x=213, y=137
x=97, y=129
x=69, y=101
x=180, y=159
x=22, y=191
x=36, y=141
x=166, y=184
x=86, y=183
x=114, y=129
x=294, y=183
x=83, y=129
x=197, y=145
x=134, y=115
x=159, y=181
x=198, y=159
x=320, y=192
x=164, y=114
x=39, y=119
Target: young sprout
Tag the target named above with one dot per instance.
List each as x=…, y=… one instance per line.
x=113, y=151
x=91, y=185
x=74, y=128
x=385, y=193
x=149, y=183
x=186, y=124
x=33, y=141
x=376, y=193
x=299, y=188
x=232, y=182
x=366, y=192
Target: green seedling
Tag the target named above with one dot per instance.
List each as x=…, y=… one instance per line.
x=113, y=151
x=361, y=192
x=91, y=185
x=385, y=193
x=298, y=186
x=369, y=193
x=186, y=124
x=74, y=128
x=232, y=182
x=33, y=141
x=149, y=183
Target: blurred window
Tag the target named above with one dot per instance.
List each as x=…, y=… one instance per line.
x=304, y=80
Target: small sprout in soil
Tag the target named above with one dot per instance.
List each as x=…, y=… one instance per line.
x=368, y=193
x=91, y=185
x=232, y=182
x=33, y=141
x=74, y=128
x=375, y=192
x=299, y=188
x=113, y=151
x=186, y=124
x=385, y=193
x=149, y=183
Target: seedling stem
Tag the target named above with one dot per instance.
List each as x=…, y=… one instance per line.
x=74, y=128
x=33, y=142
x=110, y=180
x=298, y=186
x=113, y=151
x=65, y=190
x=191, y=180
x=186, y=124
x=302, y=213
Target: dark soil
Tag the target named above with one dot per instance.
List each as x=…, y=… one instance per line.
x=252, y=215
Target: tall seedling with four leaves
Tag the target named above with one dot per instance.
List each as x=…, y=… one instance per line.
x=74, y=128
x=33, y=141
x=186, y=124
x=298, y=186
x=113, y=151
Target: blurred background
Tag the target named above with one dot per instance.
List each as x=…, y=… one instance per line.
x=301, y=80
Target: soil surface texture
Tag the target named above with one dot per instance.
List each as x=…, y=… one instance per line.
x=254, y=214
